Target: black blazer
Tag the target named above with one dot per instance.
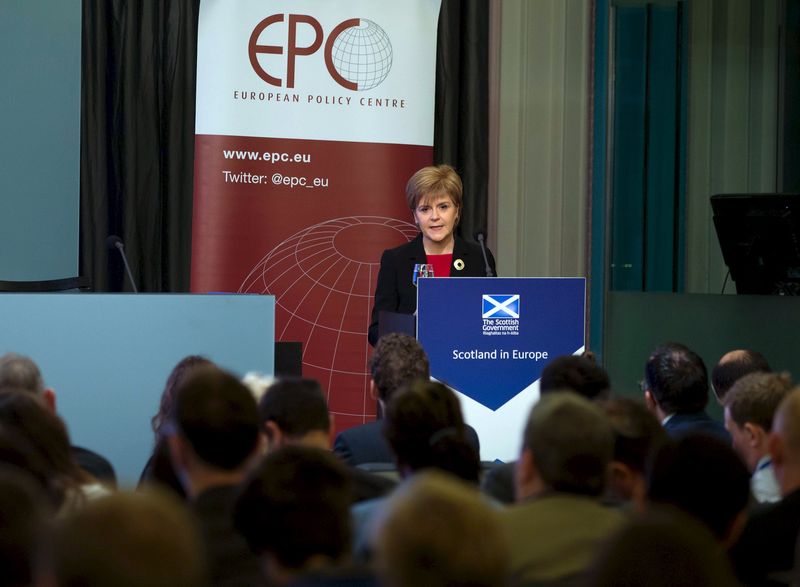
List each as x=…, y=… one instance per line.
x=395, y=292
x=367, y=444
x=696, y=422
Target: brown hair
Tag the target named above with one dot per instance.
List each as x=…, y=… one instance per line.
x=180, y=372
x=146, y=538
x=22, y=414
x=433, y=181
x=756, y=397
x=418, y=530
x=424, y=427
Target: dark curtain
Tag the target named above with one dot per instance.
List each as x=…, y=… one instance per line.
x=137, y=132
x=137, y=141
x=789, y=149
x=461, y=129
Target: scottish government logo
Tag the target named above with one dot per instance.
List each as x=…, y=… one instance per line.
x=500, y=314
x=357, y=52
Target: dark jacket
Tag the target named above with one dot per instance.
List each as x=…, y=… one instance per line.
x=764, y=554
x=696, y=422
x=230, y=561
x=395, y=291
x=366, y=444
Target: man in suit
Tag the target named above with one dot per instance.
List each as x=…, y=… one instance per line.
x=213, y=439
x=293, y=411
x=750, y=406
x=734, y=365
x=765, y=552
x=397, y=361
x=293, y=510
x=675, y=389
x=21, y=372
x=577, y=373
x=558, y=523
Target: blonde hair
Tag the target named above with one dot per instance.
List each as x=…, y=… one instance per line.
x=433, y=181
x=435, y=518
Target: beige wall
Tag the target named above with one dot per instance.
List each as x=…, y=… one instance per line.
x=732, y=140
x=541, y=129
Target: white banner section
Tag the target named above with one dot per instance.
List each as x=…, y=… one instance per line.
x=344, y=70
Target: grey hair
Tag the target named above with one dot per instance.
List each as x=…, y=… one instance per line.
x=572, y=443
x=20, y=372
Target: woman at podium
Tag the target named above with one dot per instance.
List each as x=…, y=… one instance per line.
x=434, y=195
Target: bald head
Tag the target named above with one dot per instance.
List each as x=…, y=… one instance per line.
x=20, y=372
x=733, y=356
x=733, y=366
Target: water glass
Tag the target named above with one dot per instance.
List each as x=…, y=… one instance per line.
x=421, y=270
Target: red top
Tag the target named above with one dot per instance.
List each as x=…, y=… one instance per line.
x=441, y=264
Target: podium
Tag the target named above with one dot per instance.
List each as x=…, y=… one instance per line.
x=489, y=339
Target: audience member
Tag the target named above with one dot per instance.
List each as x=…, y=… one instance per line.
x=125, y=540
x=21, y=373
x=291, y=519
x=662, y=549
x=733, y=366
x=497, y=482
x=558, y=522
x=294, y=513
x=257, y=383
x=675, y=389
x=750, y=405
x=637, y=434
x=215, y=439
x=765, y=551
x=294, y=411
x=703, y=477
x=397, y=361
x=24, y=513
x=437, y=531
x=578, y=374
x=425, y=430
x=158, y=469
x=23, y=415
x=17, y=451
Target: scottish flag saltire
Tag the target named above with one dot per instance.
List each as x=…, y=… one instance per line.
x=501, y=306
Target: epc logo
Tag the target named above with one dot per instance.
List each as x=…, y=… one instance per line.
x=358, y=53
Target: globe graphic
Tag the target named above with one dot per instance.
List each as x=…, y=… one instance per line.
x=323, y=280
x=363, y=54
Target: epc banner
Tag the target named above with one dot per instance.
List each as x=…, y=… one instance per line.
x=311, y=117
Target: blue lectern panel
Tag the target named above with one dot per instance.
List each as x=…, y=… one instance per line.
x=490, y=338
x=108, y=356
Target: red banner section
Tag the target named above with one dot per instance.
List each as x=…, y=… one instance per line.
x=305, y=221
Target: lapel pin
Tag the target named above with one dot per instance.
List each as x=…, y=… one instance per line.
x=458, y=264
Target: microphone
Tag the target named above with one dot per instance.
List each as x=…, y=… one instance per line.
x=114, y=242
x=480, y=236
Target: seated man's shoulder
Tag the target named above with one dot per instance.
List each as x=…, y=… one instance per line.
x=767, y=543
x=350, y=442
x=563, y=509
